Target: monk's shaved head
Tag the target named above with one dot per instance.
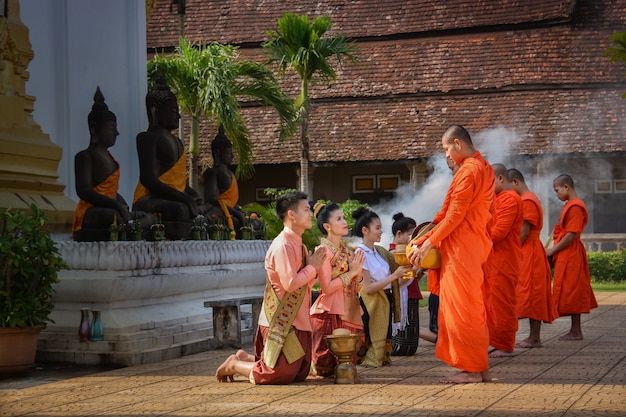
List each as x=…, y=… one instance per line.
x=564, y=179
x=500, y=170
x=515, y=174
x=457, y=132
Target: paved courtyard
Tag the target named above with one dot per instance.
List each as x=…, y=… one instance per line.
x=577, y=378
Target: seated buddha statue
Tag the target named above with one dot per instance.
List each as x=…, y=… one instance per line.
x=220, y=184
x=97, y=176
x=162, y=186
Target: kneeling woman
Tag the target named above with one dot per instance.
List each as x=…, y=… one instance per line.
x=379, y=271
x=340, y=281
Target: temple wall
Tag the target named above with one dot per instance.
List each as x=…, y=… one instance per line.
x=79, y=45
x=151, y=297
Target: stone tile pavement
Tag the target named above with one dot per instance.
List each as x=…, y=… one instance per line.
x=577, y=378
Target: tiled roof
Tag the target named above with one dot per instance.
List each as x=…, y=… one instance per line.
x=549, y=83
x=245, y=21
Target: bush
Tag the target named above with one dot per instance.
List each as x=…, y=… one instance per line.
x=609, y=267
x=29, y=265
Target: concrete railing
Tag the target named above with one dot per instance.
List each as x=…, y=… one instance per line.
x=603, y=242
x=151, y=296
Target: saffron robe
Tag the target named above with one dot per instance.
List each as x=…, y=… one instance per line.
x=464, y=243
x=572, y=283
x=108, y=187
x=175, y=177
x=534, y=285
x=503, y=270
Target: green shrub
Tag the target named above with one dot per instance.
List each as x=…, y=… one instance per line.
x=29, y=265
x=609, y=267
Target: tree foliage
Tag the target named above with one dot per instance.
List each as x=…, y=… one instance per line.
x=210, y=81
x=617, y=51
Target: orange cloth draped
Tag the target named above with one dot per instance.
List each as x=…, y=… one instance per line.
x=572, y=291
x=229, y=198
x=462, y=237
x=108, y=187
x=534, y=286
x=175, y=177
x=433, y=281
x=503, y=269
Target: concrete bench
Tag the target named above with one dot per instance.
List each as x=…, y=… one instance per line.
x=227, y=319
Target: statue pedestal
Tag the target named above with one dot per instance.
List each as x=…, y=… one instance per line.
x=151, y=296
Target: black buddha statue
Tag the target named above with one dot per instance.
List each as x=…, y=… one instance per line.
x=220, y=184
x=97, y=178
x=162, y=186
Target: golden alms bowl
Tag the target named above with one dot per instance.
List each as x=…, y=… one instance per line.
x=343, y=345
x=400, y=256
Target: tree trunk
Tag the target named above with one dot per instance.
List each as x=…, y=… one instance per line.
x=194, y=152
x=304, y=157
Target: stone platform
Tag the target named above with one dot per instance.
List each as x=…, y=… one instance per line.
x=151, y=296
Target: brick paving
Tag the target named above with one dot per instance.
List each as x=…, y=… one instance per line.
x=577, y=378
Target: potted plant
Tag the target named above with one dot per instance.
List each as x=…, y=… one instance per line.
x=29, y=265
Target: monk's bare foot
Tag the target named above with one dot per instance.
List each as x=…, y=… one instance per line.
x=242, y=355
x=486, y=376
x=463, y=378
x=498, y=353
x=227, y=370
x=571, y=336
x=529, y=343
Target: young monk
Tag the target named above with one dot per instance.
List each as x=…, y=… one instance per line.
x=534, y=286
x=282, y=346
x=340, y=282
x=379, y=271
x=463, y=240
x=503, y=266
x=572, y=283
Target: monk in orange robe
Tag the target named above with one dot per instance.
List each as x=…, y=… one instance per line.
x=534, y=285
x=572, y=283
x=463, y=240
x=503, y=266
x=97, y=174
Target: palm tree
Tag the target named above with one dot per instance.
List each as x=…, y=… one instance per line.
x=617, y=51
x=301, y=46
x=208, y=81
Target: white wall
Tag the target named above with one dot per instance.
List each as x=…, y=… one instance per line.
x=79, y=45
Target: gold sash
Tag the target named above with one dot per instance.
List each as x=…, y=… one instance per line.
x=281, y=334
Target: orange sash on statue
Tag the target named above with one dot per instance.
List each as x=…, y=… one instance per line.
x=229, y=198
x=108, y=187
x=175, y=177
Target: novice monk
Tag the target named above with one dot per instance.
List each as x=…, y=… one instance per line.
x=572, y=291
x=282, y=345
x=534, y=286
x=503, y=266
x=462, y=238
x=97, y=174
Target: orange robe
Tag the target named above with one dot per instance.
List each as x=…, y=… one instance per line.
x=572, y=291
x=464, y=242
x=175, y=177
x=229, y=198
x=108, y=187
x=503, y=269
x=534, y=286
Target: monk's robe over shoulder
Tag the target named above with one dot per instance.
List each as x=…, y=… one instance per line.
x=572, y=283
x=534, y=286
x=108, y=188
